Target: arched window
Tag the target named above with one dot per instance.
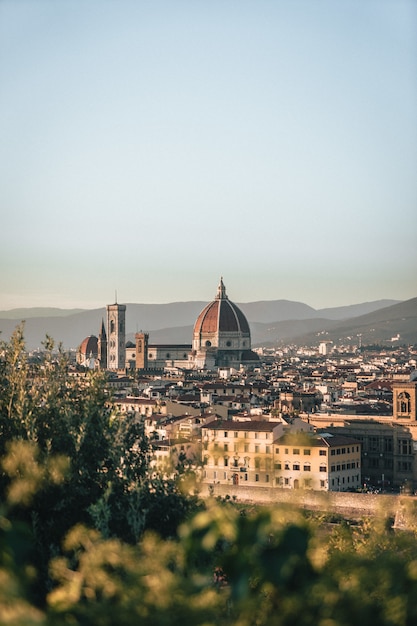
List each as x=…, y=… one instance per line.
x=404, y=403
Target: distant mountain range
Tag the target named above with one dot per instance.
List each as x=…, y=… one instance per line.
x=272, y=322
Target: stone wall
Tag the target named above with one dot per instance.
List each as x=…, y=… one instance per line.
x=349, y=505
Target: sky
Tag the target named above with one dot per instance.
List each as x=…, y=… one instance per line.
x=151, y=147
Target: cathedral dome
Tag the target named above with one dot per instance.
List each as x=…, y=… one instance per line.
x=89, y=346
x=221, y=333
x=87, y=351
x=221, y=315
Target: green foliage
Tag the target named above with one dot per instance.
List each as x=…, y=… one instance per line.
x=107, y=482
x=228, y=566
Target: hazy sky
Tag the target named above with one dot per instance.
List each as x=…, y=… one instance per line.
x=153, y=146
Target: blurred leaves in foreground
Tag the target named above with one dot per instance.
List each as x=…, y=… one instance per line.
x=227, y=566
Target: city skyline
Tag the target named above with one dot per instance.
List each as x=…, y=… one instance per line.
x=152, y=148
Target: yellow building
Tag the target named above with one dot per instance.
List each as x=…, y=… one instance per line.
x=256, y=453
x=239, y=452
x=322, y=462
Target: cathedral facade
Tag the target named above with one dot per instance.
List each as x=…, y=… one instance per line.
x=221, y=339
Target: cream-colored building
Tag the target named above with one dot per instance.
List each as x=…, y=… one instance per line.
x=239, y=452
x=324, y=462
x=260, y=453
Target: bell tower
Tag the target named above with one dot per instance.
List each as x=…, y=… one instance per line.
x=102, y=347
x=116, y=336
x=142, y=350
x=404, y=401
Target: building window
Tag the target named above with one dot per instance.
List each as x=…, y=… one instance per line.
x=404, y=466
x=296, y=451
x=276, y=450
x=387, y=444
x=404, y=403
x=373, y=444
x=307, y=452
x=278, y=466
x=323, y=483
x=225, y=433
x=226, y=461
x=404, y=446
x=267, y=478
x=323, y=452
x=287, y=466
x=307, y=483
x=287, y=481
x=307, y=468
x=257, y=463
x=296, y=467
x=256, y=449
x=246, y=447
x=268, y=450
x=257, y=478
x=226, y=447
x=235, y=434
x=323, y=468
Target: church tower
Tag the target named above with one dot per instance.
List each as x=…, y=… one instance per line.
x=404, y=401
x=116, y=336
x=102, y=347
x=142, y=340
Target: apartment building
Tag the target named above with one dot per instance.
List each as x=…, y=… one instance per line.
x=239, y=452
x=323, y=462
x=260, y=453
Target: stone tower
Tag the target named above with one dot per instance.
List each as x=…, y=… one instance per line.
x=116, y=336
x=142, y=340
x=102, y=347
x=404, y=401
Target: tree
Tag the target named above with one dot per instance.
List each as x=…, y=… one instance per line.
x=108, y=483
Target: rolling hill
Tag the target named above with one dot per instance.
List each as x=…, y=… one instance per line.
x=272, y=322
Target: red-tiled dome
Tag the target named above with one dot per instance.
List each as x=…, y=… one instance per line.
x=89, y=346
x=221, y=317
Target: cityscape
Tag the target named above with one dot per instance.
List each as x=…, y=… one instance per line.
x=208, y=313
x=229, y=407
